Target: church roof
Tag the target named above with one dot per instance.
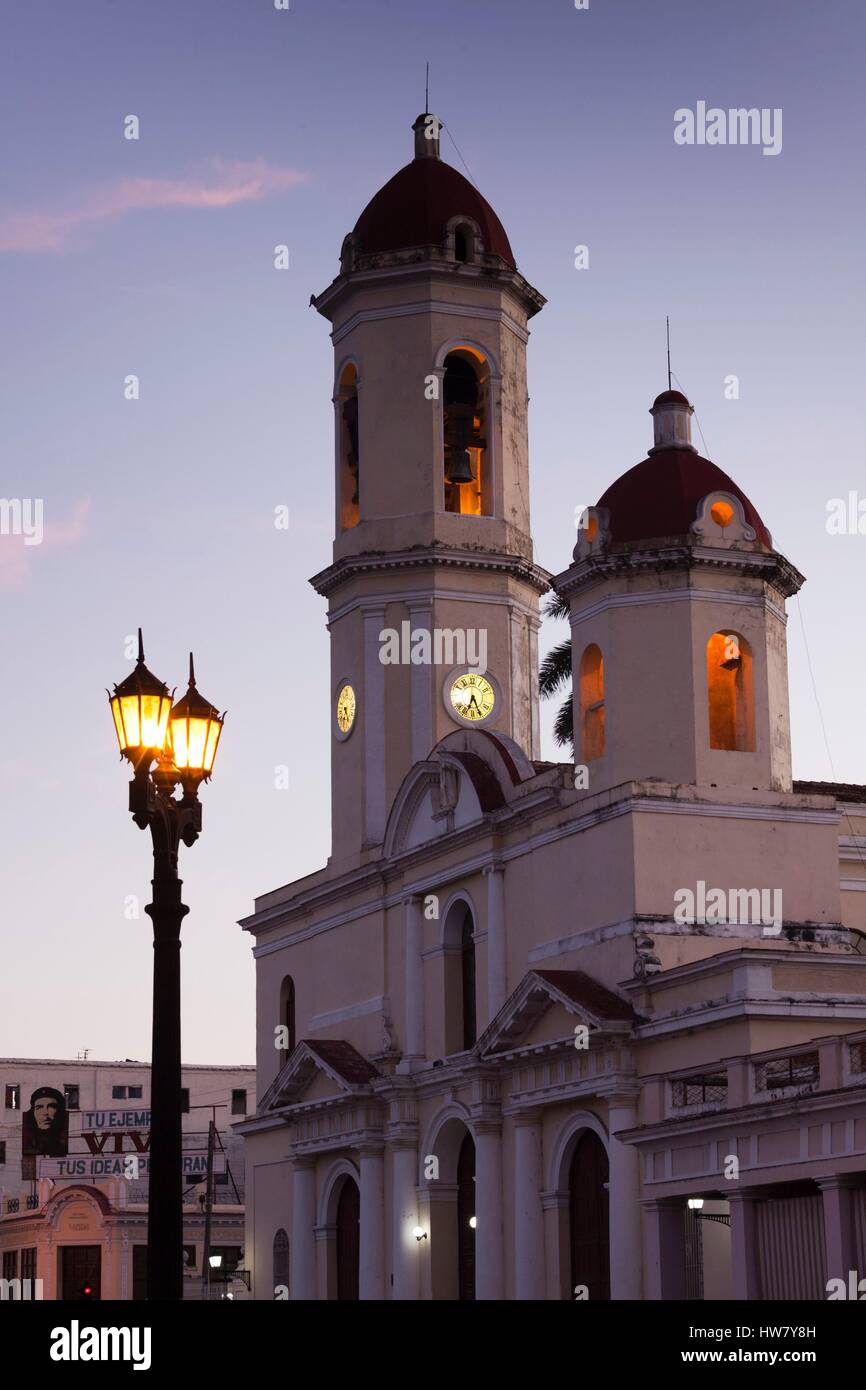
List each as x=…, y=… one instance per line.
x=660, y=496
x=413, y=208
x=344, y=1059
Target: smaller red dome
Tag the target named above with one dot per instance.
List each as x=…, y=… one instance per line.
x=659, y=497
x=669, y=398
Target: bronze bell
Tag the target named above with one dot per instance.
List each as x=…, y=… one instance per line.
x=459, y=469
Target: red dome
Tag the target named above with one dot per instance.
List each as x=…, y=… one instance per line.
x=668, y=398
x=414, y=206
x=659, y=496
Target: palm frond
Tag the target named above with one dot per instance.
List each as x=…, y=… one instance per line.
x=555, y=671
x=563, y=729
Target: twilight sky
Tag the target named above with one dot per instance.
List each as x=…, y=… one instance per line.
x=155, y=257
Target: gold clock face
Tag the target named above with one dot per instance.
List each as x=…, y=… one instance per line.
x=472, y=696
x=345, y=709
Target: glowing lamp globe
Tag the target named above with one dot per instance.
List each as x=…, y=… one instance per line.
x=140, y=708
x=195, y=726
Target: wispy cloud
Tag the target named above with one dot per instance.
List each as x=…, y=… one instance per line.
x=17, y=557
x=219, y=184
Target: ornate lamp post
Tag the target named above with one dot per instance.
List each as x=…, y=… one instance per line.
x=182, y=743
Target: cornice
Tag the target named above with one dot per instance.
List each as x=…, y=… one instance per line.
x=443, y=557
x=678, y=554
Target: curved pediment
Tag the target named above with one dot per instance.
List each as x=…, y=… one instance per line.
x=469, y=774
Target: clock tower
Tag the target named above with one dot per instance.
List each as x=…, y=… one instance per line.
x=432, y=591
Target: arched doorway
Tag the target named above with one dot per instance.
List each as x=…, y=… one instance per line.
x=466, y=1219
x=348, y=1240
x=589, y=1217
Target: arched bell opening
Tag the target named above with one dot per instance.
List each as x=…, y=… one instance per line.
x=464, y=410
x=348, y=452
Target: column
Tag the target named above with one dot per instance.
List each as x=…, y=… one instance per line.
x=529, y=1270
x=406, y=1253
x=496, y=955
x=372, y=1255
x=839, y=1251
x=414, y=1032
x=745, y=1265
x=303, y=1251
x=624, y=1193
x=488, y=1209
x=373, y=722
x=664, y=1226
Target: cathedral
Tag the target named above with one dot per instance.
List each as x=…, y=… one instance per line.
x=548, y=1030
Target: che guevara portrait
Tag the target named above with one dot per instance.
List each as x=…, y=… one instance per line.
x=45, y=1126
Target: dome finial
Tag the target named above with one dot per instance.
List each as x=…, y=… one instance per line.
x=672, y=422
x=426, y=130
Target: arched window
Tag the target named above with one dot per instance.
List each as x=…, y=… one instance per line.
x=461, y=1029
x=287, y=1011
x=349, y=466
x=730, y=697
x=467, y=980
x=464, y=390
x=591, y=682
x=281, y=1263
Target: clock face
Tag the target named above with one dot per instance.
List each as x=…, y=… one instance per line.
x=345, y=709
x=472, y=697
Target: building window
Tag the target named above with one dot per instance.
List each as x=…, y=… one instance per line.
x=13, y=1096
x=189, y=1257
x=707, y=1089
x=349, y=463
x=10, y=1264
x=2, y=1151
x=730, y=694
x=231, y=1256
x=858, y=1058
x=118, y=1093
x=28, y=1263
x=239, y=1102
x=287, y=1011
x=787, y=1073
x=184, y=1100
x=72, y=1097
x=591, y=684
x=459, y=979
x=134, y=1092
x=281, y=1261
x=464, y=390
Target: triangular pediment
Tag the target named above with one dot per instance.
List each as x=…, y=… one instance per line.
x=319, y=1071
x=546, y=1008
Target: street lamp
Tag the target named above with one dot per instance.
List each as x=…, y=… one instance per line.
x=165, y=746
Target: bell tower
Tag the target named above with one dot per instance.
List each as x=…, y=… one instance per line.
x=677, y=604
x=432, y=591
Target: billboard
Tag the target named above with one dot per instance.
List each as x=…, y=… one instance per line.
x=44, y=1129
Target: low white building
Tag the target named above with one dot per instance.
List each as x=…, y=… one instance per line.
x=74, y=1138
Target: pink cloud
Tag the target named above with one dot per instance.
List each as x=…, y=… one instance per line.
x=221, y=184
x=17, y=556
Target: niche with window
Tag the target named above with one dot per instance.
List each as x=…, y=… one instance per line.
x=287, y=1012
x=730, y=695
x=348, y=468
x=591, y=691
x=464, y=243
x=464, y=413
